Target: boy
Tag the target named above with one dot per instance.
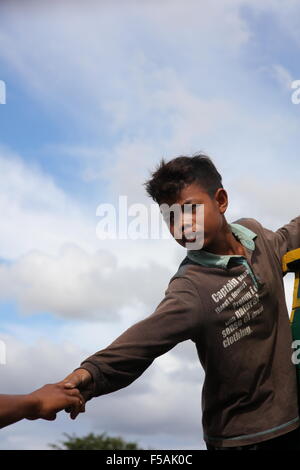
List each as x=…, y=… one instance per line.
x=228, y=298
x=42, y=403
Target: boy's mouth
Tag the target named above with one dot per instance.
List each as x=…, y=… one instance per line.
x=189, y=236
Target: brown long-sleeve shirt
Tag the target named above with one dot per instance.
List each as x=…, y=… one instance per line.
x=239, y=323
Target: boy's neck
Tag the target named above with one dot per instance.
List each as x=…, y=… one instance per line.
x=226, y=243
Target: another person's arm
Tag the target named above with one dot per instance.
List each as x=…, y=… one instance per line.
x=42, y=403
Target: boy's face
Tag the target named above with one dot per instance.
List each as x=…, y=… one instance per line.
x=213, y=211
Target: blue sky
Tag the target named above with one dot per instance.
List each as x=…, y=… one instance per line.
x=95, y=97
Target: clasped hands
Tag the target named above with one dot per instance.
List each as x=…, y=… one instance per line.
x=69, y=395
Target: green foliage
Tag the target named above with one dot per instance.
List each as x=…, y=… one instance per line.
x=95, y=442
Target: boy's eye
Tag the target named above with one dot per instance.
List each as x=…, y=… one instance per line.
x=191, y=208
x=168, y=217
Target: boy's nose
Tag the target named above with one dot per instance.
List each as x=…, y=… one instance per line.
x=188, y=230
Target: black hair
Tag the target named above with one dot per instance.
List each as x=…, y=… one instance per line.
x=169, y=178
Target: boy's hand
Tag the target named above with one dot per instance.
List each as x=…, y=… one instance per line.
x=48, y=400
x=82, y=380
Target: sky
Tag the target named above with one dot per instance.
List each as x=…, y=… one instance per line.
x=96, y=94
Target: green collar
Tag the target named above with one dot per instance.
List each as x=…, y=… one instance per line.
x=246, y=237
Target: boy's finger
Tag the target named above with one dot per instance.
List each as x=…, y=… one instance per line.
x=81, y=409
x=74, y=414
x=75, y=393
x=80, y=404
x=76, y=407
x=51, y=417
x=70, y=385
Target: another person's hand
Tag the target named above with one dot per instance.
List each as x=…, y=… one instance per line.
x=51, y=398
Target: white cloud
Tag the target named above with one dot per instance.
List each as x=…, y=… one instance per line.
x=39, y=215
x=36, y=212
x=273, y=204
x=80, y=64
x=76, y=284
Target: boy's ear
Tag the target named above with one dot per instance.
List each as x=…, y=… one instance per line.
x=222, y=199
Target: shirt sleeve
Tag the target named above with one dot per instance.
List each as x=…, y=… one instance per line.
x=175, y=319
x=286, y=238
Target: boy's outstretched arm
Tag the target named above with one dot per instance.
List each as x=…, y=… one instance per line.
x=286, y=238
x=42, y=403
x=177, y=318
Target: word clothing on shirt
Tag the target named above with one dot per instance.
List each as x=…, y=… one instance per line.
x=233, y=308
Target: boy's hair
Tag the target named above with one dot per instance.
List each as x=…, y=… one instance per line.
x=170, y=178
